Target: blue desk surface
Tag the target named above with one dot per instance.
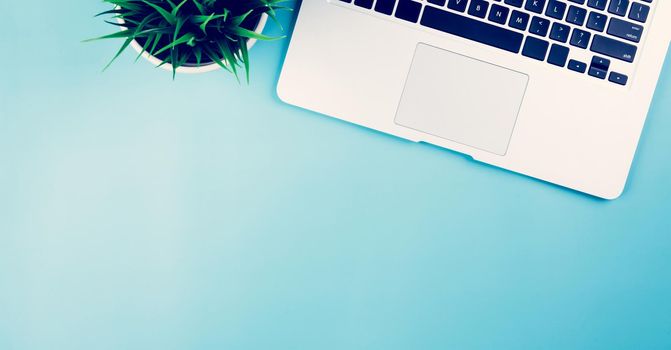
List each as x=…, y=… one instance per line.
x=141, y=213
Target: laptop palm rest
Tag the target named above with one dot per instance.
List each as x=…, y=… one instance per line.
x=461, y=99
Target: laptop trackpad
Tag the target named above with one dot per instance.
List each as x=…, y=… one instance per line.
x=461, y=99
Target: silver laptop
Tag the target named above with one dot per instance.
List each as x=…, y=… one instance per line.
x=557, y=90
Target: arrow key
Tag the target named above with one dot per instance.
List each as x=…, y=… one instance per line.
x=618, y=78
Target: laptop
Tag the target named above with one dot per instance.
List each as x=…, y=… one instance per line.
x=556, y=90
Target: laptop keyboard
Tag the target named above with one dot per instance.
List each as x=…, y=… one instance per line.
x=552, y=31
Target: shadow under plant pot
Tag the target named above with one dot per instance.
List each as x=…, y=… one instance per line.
x=191, y=66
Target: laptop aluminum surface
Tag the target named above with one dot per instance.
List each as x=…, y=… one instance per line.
x=428, y=79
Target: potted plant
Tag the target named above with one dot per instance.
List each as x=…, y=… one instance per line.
x=192, y=36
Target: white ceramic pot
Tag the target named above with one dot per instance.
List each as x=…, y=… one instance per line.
x=193, y=69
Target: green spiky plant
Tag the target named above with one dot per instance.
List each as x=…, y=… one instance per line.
x=191, y=32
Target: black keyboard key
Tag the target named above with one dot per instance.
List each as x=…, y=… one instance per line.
x=478, y=8
x=639, y=12
x=577, y=66
x=457, y=5
x=599, y=67
x=556, y=9
x=535, y=48
x=536, y=6
x=597, y=4
x=576, y=15
x=539, y=26
x=597, y=72
x=618, y=78
x=618, y=7
x=613, y=48
x=385, y=6
x=498, y=14
x=580, y=38
x=558, y=55
x=519, y=20
x=408, y=10
x=625, y=30
x=364, y=3
x=597, y=21
x=516, y=3
x=600, y=62
x=560, y=32
x=469, y=28
x=438, y=2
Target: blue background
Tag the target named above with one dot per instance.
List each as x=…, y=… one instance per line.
x=141, y=213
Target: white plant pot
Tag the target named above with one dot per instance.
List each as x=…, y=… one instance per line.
x=193, y=69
